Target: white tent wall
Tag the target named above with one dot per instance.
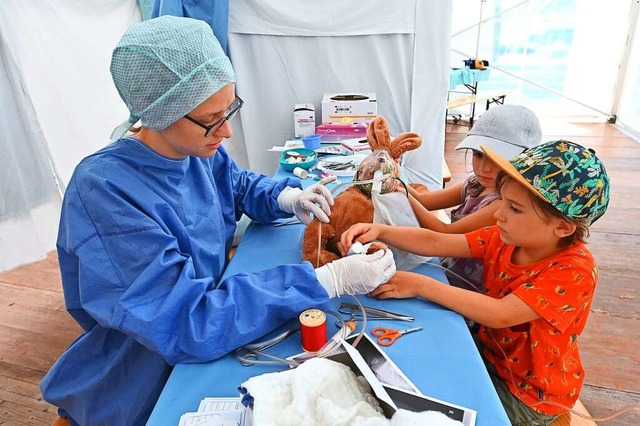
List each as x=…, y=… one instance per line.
x=63, y=51
x=57, y=100
x=29, y=197
x=60, y=105
x=290, y=52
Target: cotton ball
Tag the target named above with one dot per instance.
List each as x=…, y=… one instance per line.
x=356, y=248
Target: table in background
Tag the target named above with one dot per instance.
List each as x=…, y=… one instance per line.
x=441, y=360
x=469, y=78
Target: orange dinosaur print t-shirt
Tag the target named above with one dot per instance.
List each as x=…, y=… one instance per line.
x=542, y=354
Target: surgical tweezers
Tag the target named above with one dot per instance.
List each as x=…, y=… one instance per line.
x=372, y=313
x=288, y=222
x=339, y=165
x=250, y=354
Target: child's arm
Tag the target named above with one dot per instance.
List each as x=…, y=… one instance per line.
x=494, y=313
x=415, y=240
x=476, y=220
x=439, y=199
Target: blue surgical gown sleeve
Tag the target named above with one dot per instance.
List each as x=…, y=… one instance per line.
x=143, y=245
x=146, y=258
x=254, y=195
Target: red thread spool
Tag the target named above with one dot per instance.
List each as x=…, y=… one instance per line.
x=313, y=329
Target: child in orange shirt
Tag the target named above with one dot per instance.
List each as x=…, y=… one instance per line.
x=539, y=276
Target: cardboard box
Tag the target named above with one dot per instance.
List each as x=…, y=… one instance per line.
x=336, y=132
x=304, y=119
x=356, y=146
x=349, y=107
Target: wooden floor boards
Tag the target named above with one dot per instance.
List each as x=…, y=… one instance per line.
x=35, y=329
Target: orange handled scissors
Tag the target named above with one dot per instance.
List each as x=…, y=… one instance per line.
x=387, y=336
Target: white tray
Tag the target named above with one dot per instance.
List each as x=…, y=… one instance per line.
x=356, y=159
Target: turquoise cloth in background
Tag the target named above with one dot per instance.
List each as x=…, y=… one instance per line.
x=213, y=12
x=146, y=8
x=466, y=76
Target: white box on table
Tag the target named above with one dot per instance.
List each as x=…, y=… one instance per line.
x=357, y=107
x=356, y=146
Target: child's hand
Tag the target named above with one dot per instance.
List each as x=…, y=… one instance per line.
x=401, y=189
x=360, y=232
x=402, y=285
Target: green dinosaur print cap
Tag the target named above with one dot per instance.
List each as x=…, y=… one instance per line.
x=568, y=176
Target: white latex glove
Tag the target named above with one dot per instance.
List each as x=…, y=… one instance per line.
x=357, y=274
x=316, y=199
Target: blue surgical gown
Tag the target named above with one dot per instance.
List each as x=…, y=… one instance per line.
x=142, y=244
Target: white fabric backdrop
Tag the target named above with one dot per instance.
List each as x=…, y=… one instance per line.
x=57, y=103
x=29, y=198
x=63, y=51
x=290, y=51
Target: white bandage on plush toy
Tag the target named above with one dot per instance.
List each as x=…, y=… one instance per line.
x=394, y=209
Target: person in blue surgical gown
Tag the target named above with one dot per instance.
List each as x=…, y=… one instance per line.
x=146, y=229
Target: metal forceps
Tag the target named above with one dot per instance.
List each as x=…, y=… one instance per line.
x=372, y=313
x=387, y=336
x=250, y=354
x=294, y=221
x=339, y=165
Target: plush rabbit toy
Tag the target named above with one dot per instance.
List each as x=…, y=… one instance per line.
x=354, y=205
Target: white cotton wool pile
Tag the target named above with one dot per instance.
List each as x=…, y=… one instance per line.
x=322, y=392
x=319, y=392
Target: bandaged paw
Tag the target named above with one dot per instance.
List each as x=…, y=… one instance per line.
x=357, y=274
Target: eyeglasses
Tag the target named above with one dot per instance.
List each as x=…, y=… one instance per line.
x=229, y=114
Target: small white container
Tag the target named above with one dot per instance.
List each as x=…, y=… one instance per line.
x=300, y=172
x=304, y=120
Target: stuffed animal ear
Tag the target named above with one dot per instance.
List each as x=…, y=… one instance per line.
x=403, y=143
x=378, y=133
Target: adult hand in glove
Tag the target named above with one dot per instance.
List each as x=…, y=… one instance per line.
x=357, y=274
x=316, y=199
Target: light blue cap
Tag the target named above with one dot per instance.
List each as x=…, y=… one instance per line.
x=505, y=129
x=165, y=67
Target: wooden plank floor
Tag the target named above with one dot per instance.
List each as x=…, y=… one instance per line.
x=610, y=344
x=35, y=329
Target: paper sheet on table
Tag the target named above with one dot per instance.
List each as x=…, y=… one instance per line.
x=212, y=405
x=221, y=411
x=287, y=145
x=376, y=386
x=223, y=418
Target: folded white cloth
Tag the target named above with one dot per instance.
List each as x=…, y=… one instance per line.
x=317, y=393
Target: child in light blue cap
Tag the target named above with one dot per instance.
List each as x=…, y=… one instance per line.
x=508, y=130
x=146, y=230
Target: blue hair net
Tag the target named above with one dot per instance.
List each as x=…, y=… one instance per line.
x=165, y=67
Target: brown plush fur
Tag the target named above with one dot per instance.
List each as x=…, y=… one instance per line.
x=353, y=206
